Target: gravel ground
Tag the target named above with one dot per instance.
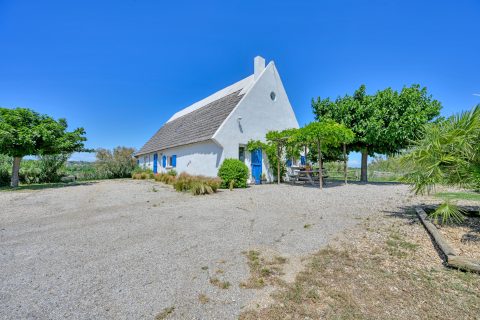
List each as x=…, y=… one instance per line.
x=127, y=249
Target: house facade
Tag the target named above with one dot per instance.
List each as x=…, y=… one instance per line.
x=198, y=138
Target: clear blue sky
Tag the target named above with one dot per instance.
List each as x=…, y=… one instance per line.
x=122, y=68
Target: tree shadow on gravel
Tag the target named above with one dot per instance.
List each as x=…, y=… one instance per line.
x=44, y=186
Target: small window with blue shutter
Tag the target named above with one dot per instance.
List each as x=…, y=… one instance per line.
x=173, y=161
x=164, y=161
x=289, y=163
x=302, y=160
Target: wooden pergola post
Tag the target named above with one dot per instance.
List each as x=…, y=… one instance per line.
x=320, y=173
x=278, y=162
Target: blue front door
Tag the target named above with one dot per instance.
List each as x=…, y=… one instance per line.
x=155, y=163
x=257, y=165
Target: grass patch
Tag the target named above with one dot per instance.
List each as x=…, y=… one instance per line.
x=203, y=298
x=219, y=283
x=472, y=196
x=398, y=246
x=362, y=279
x=262, y=271
x=165, y=313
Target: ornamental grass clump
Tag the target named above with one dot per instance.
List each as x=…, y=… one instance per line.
x=197, y=185
x=165, y=178
x=233, y=170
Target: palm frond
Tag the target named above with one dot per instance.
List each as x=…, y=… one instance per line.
x=448, y=212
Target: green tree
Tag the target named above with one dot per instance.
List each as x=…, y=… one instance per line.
x=383, y=123
x=25, y=132
x=324, y=134
x=116, y=163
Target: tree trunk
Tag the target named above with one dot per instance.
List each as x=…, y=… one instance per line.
x=363, y=177
x=320, y=172
x=15, y=171
x=278, y=165
x=345, y=162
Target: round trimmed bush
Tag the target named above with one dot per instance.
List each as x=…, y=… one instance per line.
x=233, y=170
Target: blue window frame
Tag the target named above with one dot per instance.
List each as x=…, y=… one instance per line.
x=173, y=160
x=164, y=161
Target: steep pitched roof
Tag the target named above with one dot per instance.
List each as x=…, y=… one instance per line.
x=198, y=124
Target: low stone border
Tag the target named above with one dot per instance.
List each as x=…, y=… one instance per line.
x=453, y=259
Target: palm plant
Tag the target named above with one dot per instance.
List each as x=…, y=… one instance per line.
x=447, y=153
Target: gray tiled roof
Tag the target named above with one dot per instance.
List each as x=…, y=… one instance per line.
x=196, y=126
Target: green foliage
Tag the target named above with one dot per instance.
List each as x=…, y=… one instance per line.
x=82, y=170
x=52, y=167
x=233, y=169
x=172, y=172
x=383, y=123
x=253, y=145
x=448, y=212
x=447, y=153
x=5, y=167
x=46, y=169
x=116, y=163
x=25, y=132
x=329, y=132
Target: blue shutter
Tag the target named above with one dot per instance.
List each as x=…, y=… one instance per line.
x=174, y=160
x=289, y=163
x=302, y=160
x=164, y=161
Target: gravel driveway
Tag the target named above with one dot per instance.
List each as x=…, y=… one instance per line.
x=127, y=249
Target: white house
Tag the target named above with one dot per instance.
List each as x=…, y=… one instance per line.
x=198, y=138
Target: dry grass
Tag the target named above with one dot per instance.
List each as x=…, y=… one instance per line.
x=389, y=272
x=165, y=313
x=464, y=237
x=263, y=271
x=203, y=298
x=219, y=283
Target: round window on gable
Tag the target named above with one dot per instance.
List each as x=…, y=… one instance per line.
x=273, y=96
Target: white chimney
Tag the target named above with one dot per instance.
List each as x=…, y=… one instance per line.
x=258, y=66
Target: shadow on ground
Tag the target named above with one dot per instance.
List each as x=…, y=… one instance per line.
x=44, y=186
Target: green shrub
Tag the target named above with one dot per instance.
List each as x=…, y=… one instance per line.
x=5, y=168
x=233, y=169
x=172, y=172
x=116, y=163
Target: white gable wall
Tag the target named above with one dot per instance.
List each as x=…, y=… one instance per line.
x=259, y=114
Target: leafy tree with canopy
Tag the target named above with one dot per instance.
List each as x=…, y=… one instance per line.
x=383, y=123
x=25, y=132
x=324, y=134
x=446, y=153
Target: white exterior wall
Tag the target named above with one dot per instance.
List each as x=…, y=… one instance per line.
x=259, y=115
x=201, y=158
